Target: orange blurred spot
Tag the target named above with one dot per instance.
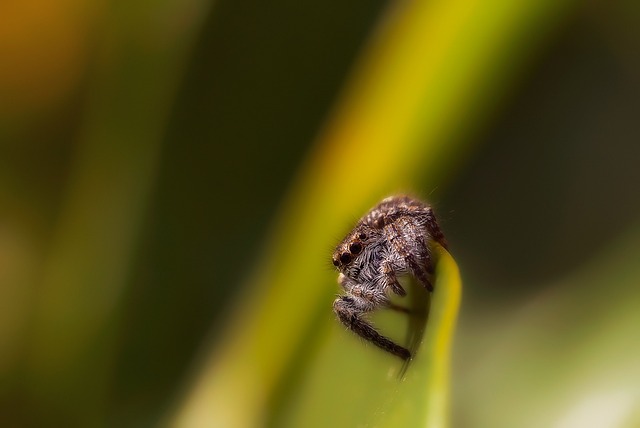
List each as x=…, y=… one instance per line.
x=43, y=51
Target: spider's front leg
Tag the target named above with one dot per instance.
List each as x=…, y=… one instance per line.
x=350, y=310
x=389, y=278
x=420, y=269
x=415, y=256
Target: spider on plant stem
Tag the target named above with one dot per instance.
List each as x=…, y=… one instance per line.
x=391, y=240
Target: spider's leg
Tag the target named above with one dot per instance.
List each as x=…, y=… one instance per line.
x=390, y=280
x=415, y=254
x=420, y=268
x=350, y=311
x=430, y=222
x=395, y=286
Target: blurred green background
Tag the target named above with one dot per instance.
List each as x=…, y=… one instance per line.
x=146, y=148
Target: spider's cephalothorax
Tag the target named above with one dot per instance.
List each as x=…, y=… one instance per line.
x=391, y=240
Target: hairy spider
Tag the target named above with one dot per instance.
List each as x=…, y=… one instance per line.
x=391, y=240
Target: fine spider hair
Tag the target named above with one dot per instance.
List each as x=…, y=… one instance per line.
x=389, y=241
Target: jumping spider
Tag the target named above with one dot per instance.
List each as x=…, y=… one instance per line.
x=391, y=240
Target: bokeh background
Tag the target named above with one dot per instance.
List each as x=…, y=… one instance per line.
x=146, y=149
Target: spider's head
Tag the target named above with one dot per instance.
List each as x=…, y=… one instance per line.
x=351, y=247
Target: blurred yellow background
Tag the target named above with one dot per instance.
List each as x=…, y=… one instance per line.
x=158, y=160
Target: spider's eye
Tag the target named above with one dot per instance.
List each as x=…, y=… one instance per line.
x=362, y=236
x=336, y=262
x=355, y=248
x=345, y=258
